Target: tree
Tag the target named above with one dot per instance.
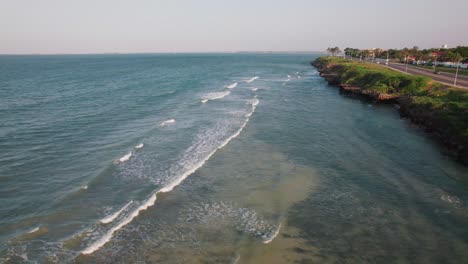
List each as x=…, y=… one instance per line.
x=463, y=50
x=352, y=52
x=366, y=53
x=378, y=53
x=333, y=51
x=337, y=50
x=454, y=56
x=347, y=51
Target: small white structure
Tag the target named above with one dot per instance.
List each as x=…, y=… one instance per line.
x=444, y=46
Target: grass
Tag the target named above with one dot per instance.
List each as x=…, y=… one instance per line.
x=375, y=77
x=449, y=104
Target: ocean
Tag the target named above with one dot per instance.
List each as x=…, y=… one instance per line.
x=215, y=158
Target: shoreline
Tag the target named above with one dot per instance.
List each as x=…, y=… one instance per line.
x=434, y=121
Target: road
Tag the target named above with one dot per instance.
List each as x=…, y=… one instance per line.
x=443, y=77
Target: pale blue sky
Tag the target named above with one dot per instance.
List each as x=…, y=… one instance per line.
x=98, y=26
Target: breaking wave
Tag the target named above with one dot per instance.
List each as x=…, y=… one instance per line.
x=112, y=217
x=34, y=230
x=231, y=86
x=168, y=122
x=108, y=235
x=272, y=236
x=125, y=157
x=214, y=96
x=252, y=79
x=139, y=146
x=190, y=168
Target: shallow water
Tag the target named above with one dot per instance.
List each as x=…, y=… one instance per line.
x=119, y=159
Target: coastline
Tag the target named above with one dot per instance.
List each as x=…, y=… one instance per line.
x=439, y=122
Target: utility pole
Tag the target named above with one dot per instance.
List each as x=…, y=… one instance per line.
x=435, y=63
x=456, y=73
x=406, y=64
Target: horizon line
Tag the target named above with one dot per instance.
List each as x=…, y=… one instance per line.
x=163, y=52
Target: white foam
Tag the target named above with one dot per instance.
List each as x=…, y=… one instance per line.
x=112, y=217
x=84, y=187
x=245, y=220
x=236, y=260
x=169, y=187
x=450, y=199
x=255, y=103
x=139, y=146
x=183, y=176
x=254, y=89
x=125, y=157
x=215, y=96
x=252, y=79
x=298, y=77
x=231, y=86
x=33, y=230
x=167, y=122
x=106, y=237
x=273, y=236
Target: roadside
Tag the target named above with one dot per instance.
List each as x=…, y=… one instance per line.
x=442, y=69
x=443, y=77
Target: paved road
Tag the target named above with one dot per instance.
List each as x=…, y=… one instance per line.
x=444, y=77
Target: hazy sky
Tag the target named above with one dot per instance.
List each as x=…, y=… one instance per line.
x=98, y=26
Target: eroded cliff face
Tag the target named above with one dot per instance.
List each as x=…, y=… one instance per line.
x=431, y=120
x=331, y=73
x=437, y=125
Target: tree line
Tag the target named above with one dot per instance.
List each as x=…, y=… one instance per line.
x=457, y=54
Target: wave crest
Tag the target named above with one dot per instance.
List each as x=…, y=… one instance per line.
x=231, y=86
x=214, y=96
x=168, y=122
x=252, y=79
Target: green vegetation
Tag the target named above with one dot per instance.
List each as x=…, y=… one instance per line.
x=414, y=55
x=446, y=106
x=333, y=51
x=450, y=104
x=375, y=77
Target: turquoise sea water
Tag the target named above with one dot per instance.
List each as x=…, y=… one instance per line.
x=214, y=158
